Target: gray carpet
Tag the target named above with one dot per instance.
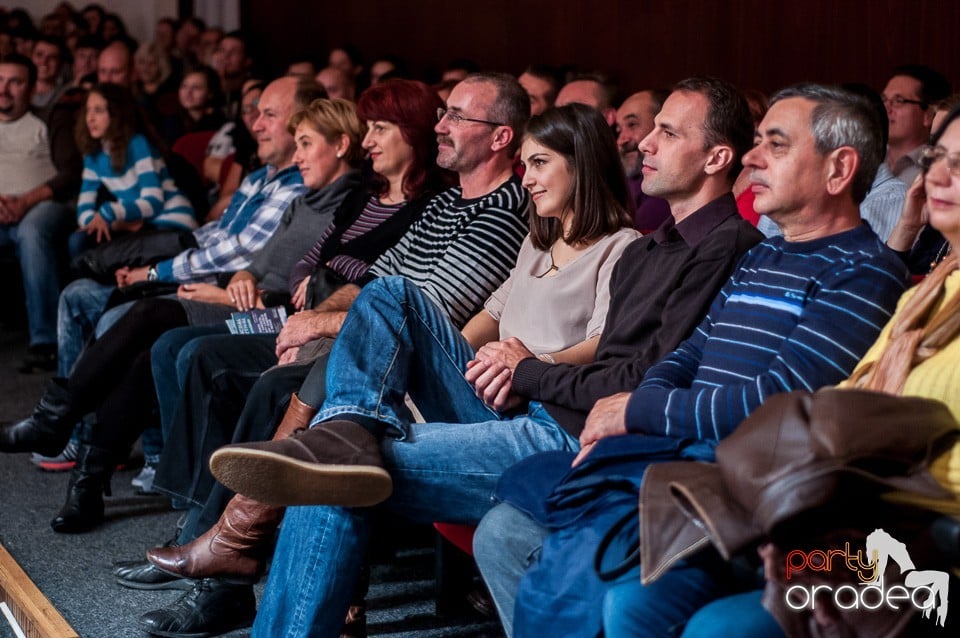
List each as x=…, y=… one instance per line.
x=74, y=571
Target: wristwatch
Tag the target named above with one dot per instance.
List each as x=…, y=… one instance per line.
x=152, y=273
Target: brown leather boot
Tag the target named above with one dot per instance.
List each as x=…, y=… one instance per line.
x=297, y=417
x=234, y=547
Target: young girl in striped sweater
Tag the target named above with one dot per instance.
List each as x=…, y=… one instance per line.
x=125, y=185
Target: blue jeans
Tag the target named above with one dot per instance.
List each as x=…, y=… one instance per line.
x=40, y=242
x=663, y=608
x=738, y=615
x=81, y=305
x=506, y=543
x=443, y=470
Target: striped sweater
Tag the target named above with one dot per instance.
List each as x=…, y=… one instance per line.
x=460, y=250
x=794, y=315
x=144, y=190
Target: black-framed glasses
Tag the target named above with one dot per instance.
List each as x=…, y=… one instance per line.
x=456, y=119
x=898, y=101
x=930, y=155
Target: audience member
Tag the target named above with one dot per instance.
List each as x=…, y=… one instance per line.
x=337, y=83
x=816, y=153
x=200, y=105
x=207, y=48
x=232, y=151
x=126, y=185
x=593, y=90
x=635, y=120
x=85, y=55
x=541, y=84
x=93, y=13
x=348, y=59
x=234, y=62
x=884, y=201
x=187, y=41
x=387, y=67
x=909, y=97
x=302, y=68
x=458, y=69
x=156, y=84
x=39, y=179
x=49, y=56
x=115, y=65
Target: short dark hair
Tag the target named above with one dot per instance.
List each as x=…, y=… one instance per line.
x=22, y=60
x=841, y=118
x=933, y=86
x=728, y=117
x=658, y=96
x=600, y=196
x=609, y=90
x=57, y=42
x=550, y=75
x=511, y=106
x=89, y=41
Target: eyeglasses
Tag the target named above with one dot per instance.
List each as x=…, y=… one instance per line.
x=898, y=101
x=930, y=155
x=456, y=119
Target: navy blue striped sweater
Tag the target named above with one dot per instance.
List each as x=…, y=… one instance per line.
x=794, y=315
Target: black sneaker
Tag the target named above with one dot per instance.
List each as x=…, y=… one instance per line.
x=40, y=358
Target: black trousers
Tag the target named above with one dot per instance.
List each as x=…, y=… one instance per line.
x=112, y=377
x=231, y=395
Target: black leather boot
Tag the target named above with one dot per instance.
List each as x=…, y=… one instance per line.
x=47, y=430
x=89, y=482
x=211, y=608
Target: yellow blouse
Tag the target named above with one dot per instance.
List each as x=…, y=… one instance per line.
x=936, y=378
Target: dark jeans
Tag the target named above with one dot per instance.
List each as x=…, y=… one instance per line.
x=231, y=395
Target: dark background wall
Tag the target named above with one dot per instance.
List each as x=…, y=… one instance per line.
x=763, y=44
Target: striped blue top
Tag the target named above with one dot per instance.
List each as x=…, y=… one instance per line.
x=144, y=190
x=793, y=316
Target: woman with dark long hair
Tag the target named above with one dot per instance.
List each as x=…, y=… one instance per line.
x=126, y=185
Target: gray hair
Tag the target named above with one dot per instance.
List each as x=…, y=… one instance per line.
x=841, y=118
x=511, y=106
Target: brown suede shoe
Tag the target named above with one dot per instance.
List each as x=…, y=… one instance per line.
x=335, y=463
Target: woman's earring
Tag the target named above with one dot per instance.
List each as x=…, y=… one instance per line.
x=339, y=154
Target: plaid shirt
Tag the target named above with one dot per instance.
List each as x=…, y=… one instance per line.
x=228, y=245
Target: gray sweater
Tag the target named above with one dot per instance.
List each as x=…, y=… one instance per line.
x=300, y=227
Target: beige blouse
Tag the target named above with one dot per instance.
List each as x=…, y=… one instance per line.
x=554, y=312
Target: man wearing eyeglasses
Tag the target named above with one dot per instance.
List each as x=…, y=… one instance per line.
x=909, y=97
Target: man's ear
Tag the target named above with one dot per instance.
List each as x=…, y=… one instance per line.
x=502, y=138
x=841, y=167
x=719, y=159
x=928, y=116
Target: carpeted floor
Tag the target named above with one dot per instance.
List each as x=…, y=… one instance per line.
x=74, y=571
